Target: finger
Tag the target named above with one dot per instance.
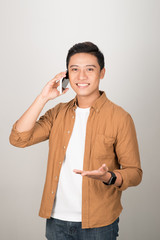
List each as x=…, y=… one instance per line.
x=84, y=174
x=61, y=74
x=77, y=171
x=58, y=76
x=58, y=93
x=65, y=90
x=56, y=79
x=90, y=173
x=55, y=83
x=103, y=168
x=64, y=72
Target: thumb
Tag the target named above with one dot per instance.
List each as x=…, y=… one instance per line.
x=65, y=90
x=104, y=168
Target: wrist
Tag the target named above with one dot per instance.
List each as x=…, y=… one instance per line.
x=107, y=177
x=43, y=100
x=112, y=179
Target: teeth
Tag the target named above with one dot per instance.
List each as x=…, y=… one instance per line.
x=82, y=84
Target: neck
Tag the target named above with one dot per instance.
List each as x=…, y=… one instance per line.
x=87, y=101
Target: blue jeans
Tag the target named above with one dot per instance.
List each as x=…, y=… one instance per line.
x=64, y=230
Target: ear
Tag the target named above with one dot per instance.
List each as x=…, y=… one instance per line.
x=102, y=73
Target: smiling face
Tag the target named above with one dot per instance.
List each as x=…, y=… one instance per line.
x=85, y=74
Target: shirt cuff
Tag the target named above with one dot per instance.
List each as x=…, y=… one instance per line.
x=124, y=185
x=25, y=135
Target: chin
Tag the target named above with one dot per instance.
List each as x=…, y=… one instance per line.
x=82, y=92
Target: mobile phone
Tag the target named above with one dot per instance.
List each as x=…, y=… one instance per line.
x=64, y=82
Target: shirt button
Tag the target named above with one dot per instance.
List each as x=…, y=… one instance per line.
x=52, y=192
x=68, y=131
x=64, y=147
x=73, y=116
x=55, y=177
x=59, y=162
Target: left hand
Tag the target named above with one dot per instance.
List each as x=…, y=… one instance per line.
x=100, y=174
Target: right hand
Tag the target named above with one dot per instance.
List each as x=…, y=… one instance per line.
x=50, y=90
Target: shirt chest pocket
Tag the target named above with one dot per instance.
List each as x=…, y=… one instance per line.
x=104, y=147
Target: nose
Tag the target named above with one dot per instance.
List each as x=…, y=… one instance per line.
x=82, y=74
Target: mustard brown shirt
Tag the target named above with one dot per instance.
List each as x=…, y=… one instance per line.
x=110, y=139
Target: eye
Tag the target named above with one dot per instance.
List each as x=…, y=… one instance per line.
x=90, y=69
x=74, y=69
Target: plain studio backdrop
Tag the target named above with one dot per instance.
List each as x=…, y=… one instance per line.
x=35, y=38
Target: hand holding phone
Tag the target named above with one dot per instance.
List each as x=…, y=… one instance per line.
x=63, y=83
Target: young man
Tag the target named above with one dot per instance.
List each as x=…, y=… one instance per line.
x=93, y=151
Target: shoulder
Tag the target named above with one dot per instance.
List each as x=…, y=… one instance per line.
x=114, y=108
x=117, y=118
x=116, y=113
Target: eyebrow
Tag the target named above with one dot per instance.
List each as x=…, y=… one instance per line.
x=91, y=65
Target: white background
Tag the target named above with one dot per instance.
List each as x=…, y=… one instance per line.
x=35, y=38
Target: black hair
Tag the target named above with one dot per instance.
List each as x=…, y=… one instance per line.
x=86, y=47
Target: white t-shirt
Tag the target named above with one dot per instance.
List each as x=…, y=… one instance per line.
x=68, y=201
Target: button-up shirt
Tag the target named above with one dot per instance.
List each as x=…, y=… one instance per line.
x=110, y=139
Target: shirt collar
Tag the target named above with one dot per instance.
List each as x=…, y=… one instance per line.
x=98, y=103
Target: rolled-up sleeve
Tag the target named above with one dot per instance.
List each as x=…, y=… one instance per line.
x=127, y=151
x=40, y=131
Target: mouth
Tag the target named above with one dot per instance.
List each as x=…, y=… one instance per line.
x=82, y=85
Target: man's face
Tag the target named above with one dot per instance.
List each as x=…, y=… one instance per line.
x=84, y=74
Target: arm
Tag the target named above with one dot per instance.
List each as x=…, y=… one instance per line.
x=27, y=130
x=101, y=174
x=127, y=151
x=28, y=119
